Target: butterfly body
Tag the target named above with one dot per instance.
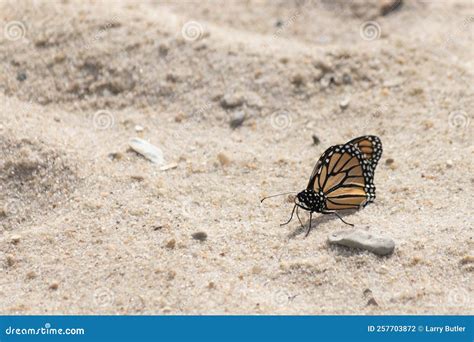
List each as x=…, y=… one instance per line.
x=343, y=178
x=310, y=200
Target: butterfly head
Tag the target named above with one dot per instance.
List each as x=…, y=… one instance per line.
x=309, y=200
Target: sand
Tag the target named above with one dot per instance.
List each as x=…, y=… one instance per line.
x=89, y=227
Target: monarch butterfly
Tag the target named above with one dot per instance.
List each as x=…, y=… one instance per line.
x=343, y=178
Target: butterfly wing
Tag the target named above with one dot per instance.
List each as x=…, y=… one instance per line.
x=344, y=177
x=370, y=146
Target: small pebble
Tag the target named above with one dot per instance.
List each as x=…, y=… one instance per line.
x=139, y=128
x=115, y=156
x=171, y=244
x=389, y=161
x=15, y=239
x=147, y=150
x=393, y=82
x=316, y=140
x=169, y=167
x=31, y=275
x=346, y=79
x=223, y=159
x=10, y=260
x=344, y=102
x=21, y=76
x=467, y=259
x=232, y=100
x=449, y=164
x=138, y=178
x=372, y=301
x=360, y=239
x=201, y=236
x=297, y=80
x=54, y=286
x=237, y=119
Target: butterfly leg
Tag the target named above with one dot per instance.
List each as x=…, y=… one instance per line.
x=298, y=216
x=309, y=226
x=291, y=217
x=340, y=218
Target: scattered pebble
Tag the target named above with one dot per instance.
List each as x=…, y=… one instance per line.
x=387, y=6
x=326, y=80
x=54, y=286
x=31, y=275
x=316, y=140
x=171, y=244
x=232, y=100
x=15, y=239
x=169, y=167
x=346, y=79
x=237, y=119
x=139, y=128
x=449, y=164
x=344, y=102
x=115, y=156
x=372, y=301
x=201, y=236
x=361, y=239
x=180, y=117
x=147, y=150
x=223, y=159
x=389, y=161
x=297, y=80
x=467, y=259
x=138, y=178
x=393, y=82
x=21, y=76
x=10, y=260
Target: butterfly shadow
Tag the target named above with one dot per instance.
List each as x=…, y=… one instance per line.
x=317, y=220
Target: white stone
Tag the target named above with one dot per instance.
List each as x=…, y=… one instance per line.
x=360, y=239
x=147, y=150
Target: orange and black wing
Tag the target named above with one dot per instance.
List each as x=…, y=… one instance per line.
x=370, y=146
x=344, y=177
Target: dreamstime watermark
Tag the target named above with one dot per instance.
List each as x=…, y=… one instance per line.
x=458, y=120
x=281, y=298
x=283, y=26
x=11, y=207
x=14, y=30
x=459, y=297
x=281, y=120
x=463, y=28
x=192, y=31
x=100, y=33
x=46, y=330
x=370, y=30
x=103, y=119
x=104, y=297
x=191, y=209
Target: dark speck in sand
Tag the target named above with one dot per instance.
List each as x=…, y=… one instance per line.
x=316, y=140
x=201, y=236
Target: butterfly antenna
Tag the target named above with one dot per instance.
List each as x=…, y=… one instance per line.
x=285, y=193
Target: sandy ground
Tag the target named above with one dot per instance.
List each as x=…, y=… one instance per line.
x=88, y=226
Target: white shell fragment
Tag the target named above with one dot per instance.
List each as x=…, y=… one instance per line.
x=147, y=150
x=360, y=239
x=169, y=167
